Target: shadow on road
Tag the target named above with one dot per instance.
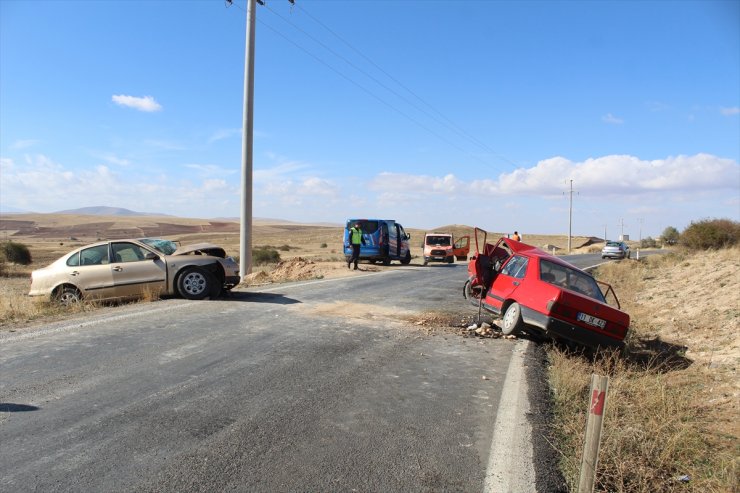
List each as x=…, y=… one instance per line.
x=274, y=298
x=9, y=407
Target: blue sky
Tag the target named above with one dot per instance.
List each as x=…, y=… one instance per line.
x=428, y=112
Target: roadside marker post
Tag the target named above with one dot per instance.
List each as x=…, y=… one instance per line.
x=592, y=441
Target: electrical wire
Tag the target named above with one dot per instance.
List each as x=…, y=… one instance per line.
x=444, y=121
x=459, y=130
x=371, y=93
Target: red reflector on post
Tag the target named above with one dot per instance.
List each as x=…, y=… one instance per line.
x=597, y=402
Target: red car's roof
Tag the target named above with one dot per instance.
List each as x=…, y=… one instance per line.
x=523, y=248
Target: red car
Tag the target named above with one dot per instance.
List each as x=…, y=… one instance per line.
x=531, y=289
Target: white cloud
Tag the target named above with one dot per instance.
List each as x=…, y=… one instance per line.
x=317, y=186
x=37, y=185
x=147, y=103
x=24, y=144
x=657, y=106
x=673, y=190
x=215, y=185
x=112, y=159
x=730, y=111
x=282, y=171
x=398, y=182
x=223, y=134
x=211, y=169
x=609, y=118
x=618, y=177
x=165, y=145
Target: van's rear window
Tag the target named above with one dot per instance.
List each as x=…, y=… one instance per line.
x=368, y=227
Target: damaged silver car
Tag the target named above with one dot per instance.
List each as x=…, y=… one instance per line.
x=135, y=268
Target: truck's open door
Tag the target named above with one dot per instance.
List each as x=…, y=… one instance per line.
x=461, y=248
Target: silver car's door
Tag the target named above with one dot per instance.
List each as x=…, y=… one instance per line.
x=136, y=271
x=90, y=271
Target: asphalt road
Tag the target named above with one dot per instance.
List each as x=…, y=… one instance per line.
x=327, y=385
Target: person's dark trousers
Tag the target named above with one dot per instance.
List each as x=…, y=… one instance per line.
x=355, y=256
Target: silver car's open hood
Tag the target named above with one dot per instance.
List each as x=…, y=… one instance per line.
x=202, y=248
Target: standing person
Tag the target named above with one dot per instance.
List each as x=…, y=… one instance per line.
x=355, y=240
x=516, y=236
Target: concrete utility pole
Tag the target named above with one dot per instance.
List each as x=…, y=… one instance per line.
x=621, y=225
x=640, y=220
x=570, y=216
x=245, y=231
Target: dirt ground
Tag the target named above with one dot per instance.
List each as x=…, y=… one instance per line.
x=696, y=304
x=314, y=251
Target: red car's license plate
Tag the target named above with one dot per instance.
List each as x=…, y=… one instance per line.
x=591, y=320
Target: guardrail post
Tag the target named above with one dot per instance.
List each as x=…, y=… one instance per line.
x=599, y=387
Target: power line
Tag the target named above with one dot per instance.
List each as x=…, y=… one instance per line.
x=372, y=94
x=443, y=120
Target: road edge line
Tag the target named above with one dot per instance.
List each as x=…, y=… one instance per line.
x=511, y=458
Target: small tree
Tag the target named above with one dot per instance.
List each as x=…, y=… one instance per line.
x=670, y=235
x=16, y=253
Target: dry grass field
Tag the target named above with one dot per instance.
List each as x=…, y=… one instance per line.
x=672, y=418
x=311, y=251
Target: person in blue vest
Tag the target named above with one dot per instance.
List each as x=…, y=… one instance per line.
x=355, y=241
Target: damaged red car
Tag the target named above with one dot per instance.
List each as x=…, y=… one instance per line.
x=533, y=291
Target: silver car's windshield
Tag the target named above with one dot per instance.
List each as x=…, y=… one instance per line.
x=165, y=246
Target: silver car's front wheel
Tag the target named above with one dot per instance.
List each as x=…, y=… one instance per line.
x=195, y=283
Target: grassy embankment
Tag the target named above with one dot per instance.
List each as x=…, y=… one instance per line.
x=671, y=422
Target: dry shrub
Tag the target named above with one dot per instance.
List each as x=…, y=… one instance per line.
x=150, y=294
x=18, y=308
x=265, y=256
x=672, y=404
x=16, y=253
x=714, y=233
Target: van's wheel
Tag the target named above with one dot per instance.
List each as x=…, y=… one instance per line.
x=68, y=296
x=195, y=283
x=512, y=322
x=386, y=261
x=407, y=259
